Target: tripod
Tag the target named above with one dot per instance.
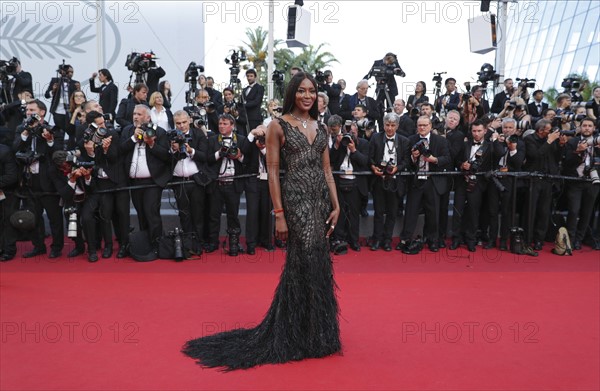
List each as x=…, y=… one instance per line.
x=382, y=94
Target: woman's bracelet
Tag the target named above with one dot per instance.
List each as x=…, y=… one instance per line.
x=275, y=211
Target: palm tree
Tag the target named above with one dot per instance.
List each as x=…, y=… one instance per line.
x=310, y=60
x=256, y=47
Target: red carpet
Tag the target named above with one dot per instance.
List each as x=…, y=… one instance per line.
x=446, y=321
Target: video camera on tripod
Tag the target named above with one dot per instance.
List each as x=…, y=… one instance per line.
x=8, y=68
x=190, y=76
x=234, y=59
x=140, y=62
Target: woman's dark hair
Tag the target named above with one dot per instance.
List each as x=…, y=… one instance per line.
x=289, y=101
x=161, y=88
x=424, y=87
x=106, y=73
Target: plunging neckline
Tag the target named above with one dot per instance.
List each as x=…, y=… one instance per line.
x=306, y=137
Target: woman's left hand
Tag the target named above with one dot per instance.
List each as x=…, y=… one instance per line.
x=332, y=221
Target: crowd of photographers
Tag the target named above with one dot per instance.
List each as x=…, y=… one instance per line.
x=409, y=156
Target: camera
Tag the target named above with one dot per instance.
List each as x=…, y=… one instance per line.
x=511, y=105
x=192, y=72
x=571, y=83
x=437, y=78
x=235, y=59
x=63, y=69
x=487, y=73
x=176, y=235
x=568, y=133
x=422, y=147
x=28, y=157
x=365, y=123
x=261, y=139
x=387, y=167
x=278, y=109
x=277, y=77
x=71, y=215
x=320, y=77
x=523, y=125
x=382, y=72
x=95, y=134
x=73, y=159
x=229, y=152
x=526, y=83
x=34, y=126
x=140, y=62
x=149, y=130
x=8, y=68
x=177, y=136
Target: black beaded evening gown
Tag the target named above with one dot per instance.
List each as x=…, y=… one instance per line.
x=302, y=321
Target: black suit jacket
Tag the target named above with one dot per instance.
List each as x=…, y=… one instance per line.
x=513, y=163
x=485, y=161
x=66, y=192
x=376, y=153
x=533, y=110
x=158, y=157
x=199, y=142
x=9, y=173
x=153, y=78
x=108, y=96
x=253, y=102
x=456, y=144
x=499, y=100
x=125, y=113
x=111, y=161
x=359, y=160
x=390, y=79
x=541, y=156
x=439, y=148
x=21, y=81
x=333, y=92
x=573, y=159
x=56, y=96
x=406, y=126
x=350, y=103
x=214, y=164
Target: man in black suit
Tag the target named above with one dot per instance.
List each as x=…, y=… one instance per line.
x=390, y=67
x=110, y=174
x=203, y=113
x=18, y=82
x=108, y=91
x=537, y=107
x=477, y=158
x=225, y=157
x=60, y=90
x=148, y=162
x=349, y=154
x=333, y=91
x=360, y=98
x=126, y=107
x=406, y=126
x=253, y=97
x=450, y=100
x=501, y=97
x=388, y=155
x=509, y=155
x=9, y=178
x=189, y=164
x=581, y=152
x=543, y=152
x=40, y=141
x=152, y=78
x=430, y=155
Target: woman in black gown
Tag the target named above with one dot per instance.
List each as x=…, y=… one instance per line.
x=302, y=321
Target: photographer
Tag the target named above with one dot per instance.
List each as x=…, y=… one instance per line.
x=73, y=183
x=207, y=83
x=203, y=113
x=564, y=113
x=274, y=109
x=429, y=153
x=508, y=156
x=100, y=143
x=360, y=98
x=147, y=160
x=349, y=153
x=225, y=159
x=60, y=90
x=593, y=106
x=13, y=114
x=474, y=107
x=188, y=150
x=14, y=81
x=256, y=187
x=415, y=101
x=388, y=155
x=34, y=144
x=253, y=96
x=390, y=67
x=406, y=126
x=333, y=91
x=108, y=91
x=127, y=106
x=500, y=98
x=537, y=107
x=543, y=151
x=236, y=109
x=450, y=100
x=582, y=160
x=9, y=178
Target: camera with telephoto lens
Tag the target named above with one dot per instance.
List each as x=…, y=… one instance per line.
x=95, y=134
x=475, y=163
x=177, y=136
x=387, y=167
x=27, y=158
x=140, y=62
x=364, y=124
x=73, y=159
x=176, y=235
x=33, y=124
x=568, y=133
x=71, y=215
x=422, y=147
x=8, y=68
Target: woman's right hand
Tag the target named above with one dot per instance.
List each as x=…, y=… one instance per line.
x=281, y=229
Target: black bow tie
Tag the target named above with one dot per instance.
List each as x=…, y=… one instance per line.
x=390, y=139
x=479, y=143
x=226, y=138
x=423, y=138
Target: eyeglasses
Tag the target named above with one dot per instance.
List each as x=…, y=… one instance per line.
x=422, y=125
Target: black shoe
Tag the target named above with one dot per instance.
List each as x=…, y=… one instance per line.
x=455, y=244
x=355, y=246
x=489, y=245
x=471, y=247
x=433, y=247
x=123, y=252
x=268, y=247
x=576, y=245
x=55, y=253
x=73, y=253
x=251, y=250
x=538, y=245
x=375, y=245
x=340, y=248
x=211, y=248
x=442, y=243
x=503, y=245
x=401, y=245
x=107, y=253
x=93, y=257
x=34, y=253
x=596, y=245
x=387, y=245
x=6, y=257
